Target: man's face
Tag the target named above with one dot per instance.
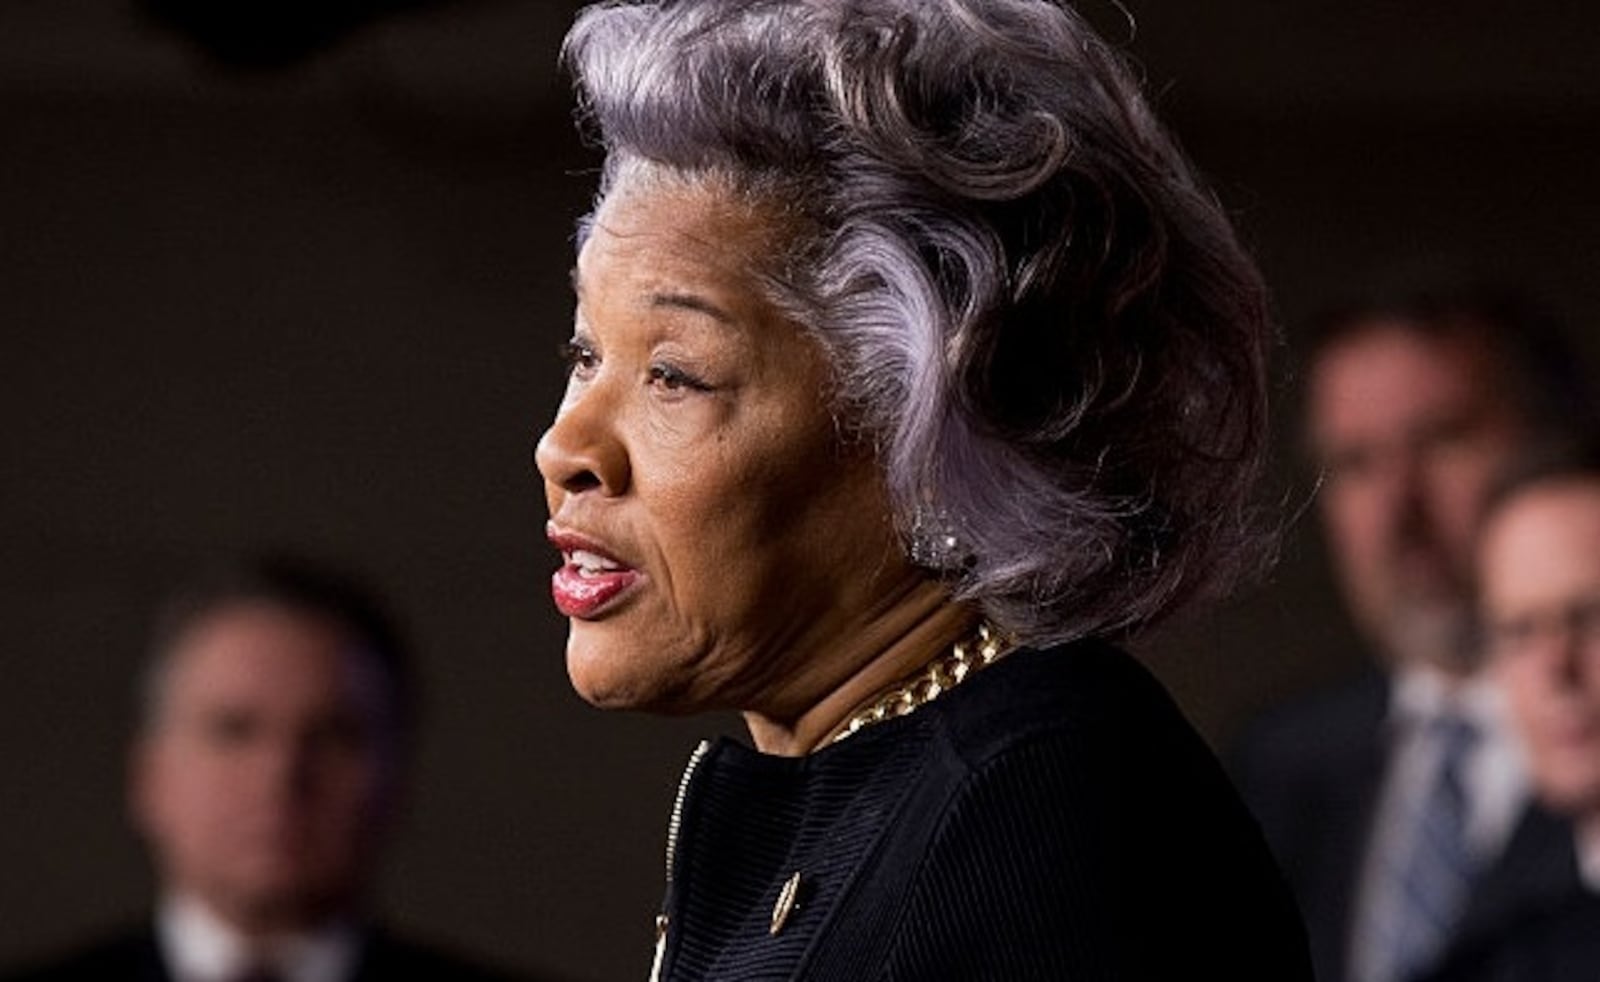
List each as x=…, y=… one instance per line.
x=1539, y=577
x=266, y=772
x=1409, y=430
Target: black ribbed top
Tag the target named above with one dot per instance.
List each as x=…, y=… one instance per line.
x=1053, y=818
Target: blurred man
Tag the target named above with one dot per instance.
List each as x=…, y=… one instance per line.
x=1389, y=802
x=1539, y=582
x=275, y=719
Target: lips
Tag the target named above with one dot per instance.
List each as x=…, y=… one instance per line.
x=591, y=580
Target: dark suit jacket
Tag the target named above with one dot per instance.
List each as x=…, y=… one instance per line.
x=134, y=956
x=1311, y=772
x=1535, y=920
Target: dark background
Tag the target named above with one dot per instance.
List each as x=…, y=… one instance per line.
x=316, y=306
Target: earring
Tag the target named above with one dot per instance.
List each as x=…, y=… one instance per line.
x=933, y=542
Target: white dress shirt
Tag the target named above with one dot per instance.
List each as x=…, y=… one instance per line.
x=1494, y=777
x=201, y=947
x=1588, y=834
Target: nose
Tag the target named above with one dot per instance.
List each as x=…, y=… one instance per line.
x=1407, y=496
x=581, y=451
x=1570, y=646
x=289, y=769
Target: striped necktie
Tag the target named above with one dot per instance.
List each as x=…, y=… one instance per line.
x=1429, y=883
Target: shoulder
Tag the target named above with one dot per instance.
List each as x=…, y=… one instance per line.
x=1085, y=734
x=1088, y=689
x=1087, y=711
x=131, y=955
x=1088, y=815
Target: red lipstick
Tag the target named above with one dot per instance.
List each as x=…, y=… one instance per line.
x=590, y=579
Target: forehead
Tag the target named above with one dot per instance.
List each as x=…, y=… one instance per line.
x=263, y=653
x=1386, y=374
x=656, y=226
x=1543, y=541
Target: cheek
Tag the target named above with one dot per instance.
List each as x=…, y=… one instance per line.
x=832, y=526
x=1458, y=493
x=1350, y=514
x=713, y=492
x=768, y=525
x=1466, y=470
x=185, y=800
x=715, y=532
x=1524, y=689
x=1589, y=685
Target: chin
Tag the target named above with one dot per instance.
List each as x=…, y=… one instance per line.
x=1571, y=786
x=1437, y=634
x=602, y=675
x=626, y=676
x=1569, y=796
x=602, y=696
x=264, y=908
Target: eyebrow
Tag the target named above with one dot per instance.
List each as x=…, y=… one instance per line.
x=691, y=301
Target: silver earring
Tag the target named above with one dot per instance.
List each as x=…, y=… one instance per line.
x=934, y=543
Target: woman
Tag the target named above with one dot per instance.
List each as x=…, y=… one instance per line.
x=909, y=360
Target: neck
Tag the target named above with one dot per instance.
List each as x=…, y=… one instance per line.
x=1439, y=639
x=893, y=644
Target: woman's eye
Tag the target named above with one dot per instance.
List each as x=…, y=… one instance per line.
x=674, y=379
x=580, y=359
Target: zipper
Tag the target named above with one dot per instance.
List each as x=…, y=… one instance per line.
x=674, y=821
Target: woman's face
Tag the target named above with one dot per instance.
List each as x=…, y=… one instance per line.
x=716, y=534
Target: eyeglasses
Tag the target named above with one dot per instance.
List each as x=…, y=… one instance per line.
x=1574, y=623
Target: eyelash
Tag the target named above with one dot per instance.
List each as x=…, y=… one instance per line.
x=672, y=378
x=577, y=356
x=581, y=359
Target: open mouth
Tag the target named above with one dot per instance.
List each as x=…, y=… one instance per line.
x=592, y=564
x=590, y=580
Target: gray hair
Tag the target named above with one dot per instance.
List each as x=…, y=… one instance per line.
x=1034, y=310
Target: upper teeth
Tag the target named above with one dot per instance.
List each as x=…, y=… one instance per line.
x=588, y=562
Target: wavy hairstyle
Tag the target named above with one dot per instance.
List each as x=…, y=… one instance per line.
x=1036, y=313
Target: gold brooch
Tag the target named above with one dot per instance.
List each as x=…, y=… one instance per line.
x=788, y=900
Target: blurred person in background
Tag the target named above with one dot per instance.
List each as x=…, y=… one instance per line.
x=1539, y=590
x=1390, y=801
x=275, y=726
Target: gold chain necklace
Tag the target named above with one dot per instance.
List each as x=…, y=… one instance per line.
x=939, y=676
